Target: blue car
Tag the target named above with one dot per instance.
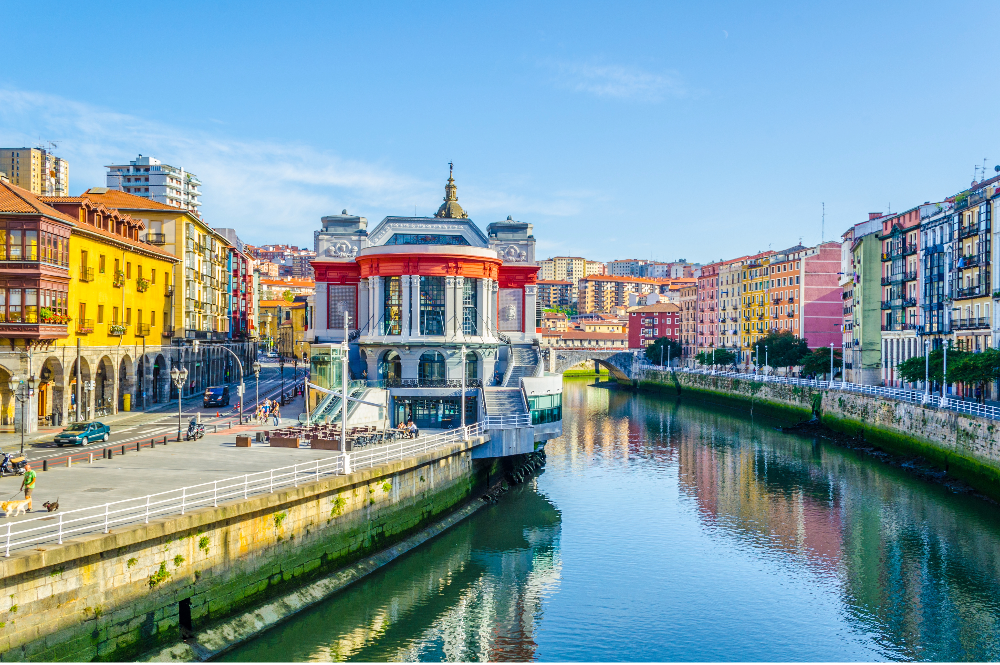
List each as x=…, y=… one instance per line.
x=80, y=434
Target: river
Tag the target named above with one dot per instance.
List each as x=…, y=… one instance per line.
x=675, y=531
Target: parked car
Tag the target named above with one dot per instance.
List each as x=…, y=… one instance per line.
x=80, y=434
x=271, y=354
x=216, y=396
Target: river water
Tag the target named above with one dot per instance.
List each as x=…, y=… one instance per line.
x=661, y=530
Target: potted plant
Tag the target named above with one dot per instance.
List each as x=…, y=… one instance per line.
x=141, y=284
x=117, y=329
x=119, y=278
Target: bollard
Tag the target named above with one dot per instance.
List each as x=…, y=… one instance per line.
x=123, y=450
x=152, y=443
x=164, y=440
x=137, y=444
x=91, y=458
x=45, y=465
x=69, y=461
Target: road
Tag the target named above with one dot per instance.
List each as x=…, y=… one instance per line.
x=162, y=419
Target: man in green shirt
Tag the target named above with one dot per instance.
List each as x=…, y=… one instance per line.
x=28, y=483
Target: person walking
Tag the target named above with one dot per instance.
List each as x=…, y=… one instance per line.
x=277, y=414
x=28, y=482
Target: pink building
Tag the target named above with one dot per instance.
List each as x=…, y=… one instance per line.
x=707, y=305
x=822, y=301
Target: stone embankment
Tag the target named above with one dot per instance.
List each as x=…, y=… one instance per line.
x=967, y=447
x=118, y=595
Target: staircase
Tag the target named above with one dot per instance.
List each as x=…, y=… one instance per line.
x=523, y=361
x=329, y=409
x=504, y=401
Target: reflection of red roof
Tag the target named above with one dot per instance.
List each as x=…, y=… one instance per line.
x=579, y=334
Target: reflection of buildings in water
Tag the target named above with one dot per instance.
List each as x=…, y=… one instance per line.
x=495, y=618
x=473, y=593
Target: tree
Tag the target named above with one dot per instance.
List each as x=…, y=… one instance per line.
x=720, y=357
x=975, y=368
x=783, y=349
x=288, y=296
x=818, y=362
x=665, y=343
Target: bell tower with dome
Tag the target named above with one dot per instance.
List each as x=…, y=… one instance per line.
x=450, y=208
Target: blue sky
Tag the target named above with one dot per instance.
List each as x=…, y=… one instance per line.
x=670, y=130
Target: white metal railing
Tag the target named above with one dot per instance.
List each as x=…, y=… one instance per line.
x=102, y=518
x=951, y=402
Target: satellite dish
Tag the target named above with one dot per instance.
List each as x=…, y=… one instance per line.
x=997, y=169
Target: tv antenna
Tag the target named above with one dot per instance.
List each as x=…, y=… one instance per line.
x=822, y=224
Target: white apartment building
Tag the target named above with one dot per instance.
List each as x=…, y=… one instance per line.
x=569, y=269
x=149, y=178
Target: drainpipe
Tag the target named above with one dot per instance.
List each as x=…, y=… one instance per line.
x=79, y=378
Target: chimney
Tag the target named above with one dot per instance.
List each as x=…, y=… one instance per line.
x=874, y=215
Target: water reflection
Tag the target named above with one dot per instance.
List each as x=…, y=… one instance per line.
x=663, y=530
x=473, y=594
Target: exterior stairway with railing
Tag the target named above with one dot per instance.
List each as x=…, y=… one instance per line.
x=504, y=401
x=523, y=362
x=329, y=409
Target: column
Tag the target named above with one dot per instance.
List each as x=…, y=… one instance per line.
x=459, y=307
x=530, y=299
x=374, y=306
x=405, y=288
x=483, y=301
x=364, y=307
x=494, y=294
x=449, y=307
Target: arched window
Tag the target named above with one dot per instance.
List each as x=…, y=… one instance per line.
x=431, y=367
x=471, y=366
x=390, y=369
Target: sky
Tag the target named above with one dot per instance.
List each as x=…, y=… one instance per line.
x=619, y=130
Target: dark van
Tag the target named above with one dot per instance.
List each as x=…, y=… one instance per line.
x=216, y=396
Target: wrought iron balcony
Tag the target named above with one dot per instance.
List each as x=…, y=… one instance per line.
x=84, y=326
x=971, y=292
x=142, y=330
x=86, y=274
x=970, y=323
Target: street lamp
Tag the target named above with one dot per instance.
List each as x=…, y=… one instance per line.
x=927, y=371
x=765, y=360
x=831, y=364
x=179, y=376
x=281, y=364
x=256, y=373
x=17, y=389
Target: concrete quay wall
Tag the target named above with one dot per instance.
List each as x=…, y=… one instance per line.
x=115, y=596
x=967, y=447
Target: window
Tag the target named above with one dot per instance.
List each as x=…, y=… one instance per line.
x=114, y=315
x=425, y=239
x=432, y=305
x=100, y=313
x=100, y=265
x=471, y=366
x=545, y=408
x=342, y=298
x=392, y=311
x=15, y=245
x=470, y=306
x=128, y=270
x=152, y=315
x=31, y=245
x=431, y=367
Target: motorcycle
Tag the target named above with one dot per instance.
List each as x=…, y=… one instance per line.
x=194, y=431
x=11, y=465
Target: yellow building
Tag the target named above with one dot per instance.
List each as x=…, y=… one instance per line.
x=36, y=170
x=200, y=303
x=283, y=327
x=119, y=286
x=756, y=306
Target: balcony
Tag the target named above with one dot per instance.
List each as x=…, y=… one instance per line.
x=886, y=280
x=142, y=330
x=886, y=304
x=970, y=292
x=84, y=326
x=968, y=261
x=970, y=323
x=910, y=276
x=910, y=249
x=168, y=290
x=86, y=274
x=167, y=330
x=156, y=238
x=969, y=231
x=117, y=329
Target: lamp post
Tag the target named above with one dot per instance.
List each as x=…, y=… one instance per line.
x=281, y=364
x=944, y=376
x=831, y=364
x=22, y=392
x=766, y=365
x=462, y=405
x=179, y=376
x=88, y=387
x=256, y=373
x=240, y=389
x=927, y=371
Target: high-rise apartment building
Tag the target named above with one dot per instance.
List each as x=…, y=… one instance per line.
x=151, y=179
x=36, y=170
x=291, y=261
x=569, y=269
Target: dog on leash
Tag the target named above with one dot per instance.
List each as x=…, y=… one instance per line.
x=15, y=508
x=51, y=506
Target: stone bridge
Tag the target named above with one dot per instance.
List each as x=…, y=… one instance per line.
x=618, y=363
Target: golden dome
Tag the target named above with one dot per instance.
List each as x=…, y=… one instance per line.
x=450, y=208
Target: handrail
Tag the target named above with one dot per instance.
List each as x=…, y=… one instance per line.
x=950, y=402
x=103, y=517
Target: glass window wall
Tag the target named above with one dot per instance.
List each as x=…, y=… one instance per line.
x=432, y=305
x=470, y=306
x=392, y=311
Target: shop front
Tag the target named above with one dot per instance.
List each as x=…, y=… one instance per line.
x=433, y=412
